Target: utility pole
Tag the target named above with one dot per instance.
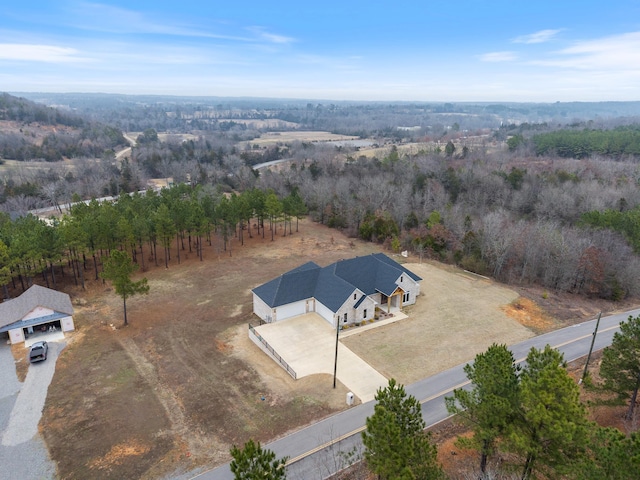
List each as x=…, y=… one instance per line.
x=593, y=340
x=335, y=362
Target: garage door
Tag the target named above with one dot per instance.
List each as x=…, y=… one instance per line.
x=291, y=310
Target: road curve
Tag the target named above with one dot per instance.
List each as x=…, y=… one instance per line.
x=320, y=450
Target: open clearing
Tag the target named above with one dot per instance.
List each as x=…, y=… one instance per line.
x=457, y=316
x=183, y=382
x=274, y=138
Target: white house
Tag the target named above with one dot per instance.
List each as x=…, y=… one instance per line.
x=38, y=308
x=347, y=291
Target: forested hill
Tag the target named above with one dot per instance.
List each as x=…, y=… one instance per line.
x=26, y=111
x=30, y=131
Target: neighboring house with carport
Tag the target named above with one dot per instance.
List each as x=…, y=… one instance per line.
x=347, y=291
x=37, y=309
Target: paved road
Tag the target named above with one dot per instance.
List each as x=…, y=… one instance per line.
x=318, y=451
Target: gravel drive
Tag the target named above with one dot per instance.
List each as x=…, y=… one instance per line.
x=23, y=453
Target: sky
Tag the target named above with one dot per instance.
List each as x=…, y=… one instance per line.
x=423, y=50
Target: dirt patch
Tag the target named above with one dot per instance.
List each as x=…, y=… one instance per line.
x=118, y=454
x=20, y=356
x=97, y=405
x=530, y=315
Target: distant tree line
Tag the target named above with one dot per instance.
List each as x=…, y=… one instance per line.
x=90, y=141
x=516, y=220
x=74, y=136
x=585, y=143
x=506, y=212
x=149, y=227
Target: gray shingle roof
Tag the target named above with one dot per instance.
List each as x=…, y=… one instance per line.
x=332, y=285
x=332, y=291
x=15, y=309
x=293, y=286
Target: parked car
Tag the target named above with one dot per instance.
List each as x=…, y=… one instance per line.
x=38, y=352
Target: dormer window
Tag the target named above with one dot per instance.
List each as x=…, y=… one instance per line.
x=401, y=279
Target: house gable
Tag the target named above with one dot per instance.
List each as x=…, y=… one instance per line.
x=373, y=273
x=332, y=291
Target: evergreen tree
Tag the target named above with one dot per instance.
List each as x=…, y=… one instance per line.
x=621, y=363
x=252, y=462
x=612, y=455
x=118, y=269
x=491, y=405
x=396, y=444
x=552, y=429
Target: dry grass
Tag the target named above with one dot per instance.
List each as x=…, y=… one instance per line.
x=457, y=316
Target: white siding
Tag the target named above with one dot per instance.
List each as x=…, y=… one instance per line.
x=37, y=313
x=367, y=305
x=261, y=309
x=291, y=310
x=16, y=335
x=325, y=313
x=67, y=324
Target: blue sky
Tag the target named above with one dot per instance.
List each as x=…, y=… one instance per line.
x=430, y=50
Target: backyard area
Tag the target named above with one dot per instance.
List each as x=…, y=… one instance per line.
x=182, y=383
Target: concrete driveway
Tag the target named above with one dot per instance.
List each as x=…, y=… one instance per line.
x=23, y=453
x=307, y=343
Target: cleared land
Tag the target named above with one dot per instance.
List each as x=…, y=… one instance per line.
x=273, y=138
x=182, y=383
x=457, y=316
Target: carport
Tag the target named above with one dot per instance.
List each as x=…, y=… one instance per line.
x=48, y=328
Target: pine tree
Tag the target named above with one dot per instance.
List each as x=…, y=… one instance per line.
x=252, y=462
x=396, y=445
x=612, y=455
x=552, y=429
x=118, y=268
x=621, y=363
x=491, y=405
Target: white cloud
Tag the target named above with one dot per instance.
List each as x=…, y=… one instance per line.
x=538, y=37
x=38, y=53
x=498, y=57
x=262, y=34
x=617, y=52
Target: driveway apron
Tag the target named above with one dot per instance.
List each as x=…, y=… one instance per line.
x=307, y=343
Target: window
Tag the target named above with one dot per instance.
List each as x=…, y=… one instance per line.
x=364, y=314
x=405, y=297
x=354, y=296
x=345, y=318
x=401, y=279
